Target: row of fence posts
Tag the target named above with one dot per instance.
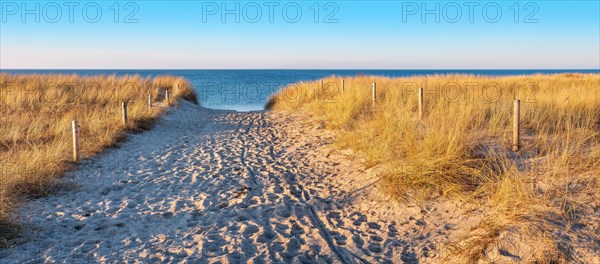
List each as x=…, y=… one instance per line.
x=516, y=144
x=76, y=130
x=516, y=117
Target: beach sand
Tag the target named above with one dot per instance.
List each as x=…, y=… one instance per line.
x=205, y=186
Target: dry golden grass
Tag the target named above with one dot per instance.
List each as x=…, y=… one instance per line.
x=461, y=148
x=36, y=114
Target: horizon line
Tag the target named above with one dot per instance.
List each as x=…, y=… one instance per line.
x=310, y=69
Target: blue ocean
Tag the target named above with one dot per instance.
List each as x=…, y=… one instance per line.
x=248, y=90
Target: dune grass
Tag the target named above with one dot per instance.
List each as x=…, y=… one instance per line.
x=461, y=149
x=36, y=114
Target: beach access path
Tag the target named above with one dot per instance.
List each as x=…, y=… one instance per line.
x=206, y=186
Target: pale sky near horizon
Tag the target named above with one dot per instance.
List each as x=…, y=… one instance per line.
x=293, y=35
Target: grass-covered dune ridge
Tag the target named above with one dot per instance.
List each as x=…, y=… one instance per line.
x=36, y=115
x=461, y=148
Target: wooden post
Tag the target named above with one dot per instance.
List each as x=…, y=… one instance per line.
x=75, y=129
x=124, y=106
x=317, y=93
x=149, y=102
x=516, y=125
x=374, y=93
x=420, y=103
x=168, y=101
x=342, y=86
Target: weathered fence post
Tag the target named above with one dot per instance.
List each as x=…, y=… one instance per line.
x=516, y=125
x=420, y=103
x=124, y=106
x=342, y=86
x=75, y=129
x=374, y=93
x=149, y=102
x=167, y=99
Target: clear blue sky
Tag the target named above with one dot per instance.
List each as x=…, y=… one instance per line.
x=358, y=35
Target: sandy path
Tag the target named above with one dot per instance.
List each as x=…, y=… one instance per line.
x=205, y=186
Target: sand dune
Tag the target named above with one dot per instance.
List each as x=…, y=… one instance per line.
x=209, y=186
